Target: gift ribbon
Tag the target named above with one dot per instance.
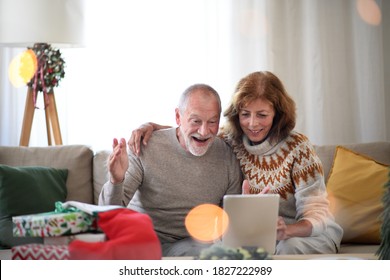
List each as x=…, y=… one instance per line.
x=39, y=74
x=59, y=208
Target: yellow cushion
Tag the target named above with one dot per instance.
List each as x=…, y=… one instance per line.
x=356, y=186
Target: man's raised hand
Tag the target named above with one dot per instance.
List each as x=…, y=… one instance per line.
x=118, y=161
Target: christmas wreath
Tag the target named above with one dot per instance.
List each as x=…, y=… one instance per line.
x=50, y=69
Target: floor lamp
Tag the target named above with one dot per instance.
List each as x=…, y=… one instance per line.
x=26, y=23
x=52, y=123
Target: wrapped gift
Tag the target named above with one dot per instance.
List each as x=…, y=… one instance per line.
x=53, y=224
x=40, y=252
x=69, y=218
x=65, y=240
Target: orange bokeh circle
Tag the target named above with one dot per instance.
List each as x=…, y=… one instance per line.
x=22, y=68
x=206, y=222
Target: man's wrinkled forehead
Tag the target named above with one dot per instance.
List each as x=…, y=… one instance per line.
x=203, y=108
x=199, y=95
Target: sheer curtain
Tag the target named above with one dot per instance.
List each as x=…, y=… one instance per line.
x=141, y=55
x=332, y=63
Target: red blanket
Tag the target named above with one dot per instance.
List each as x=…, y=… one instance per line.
x=130, y=236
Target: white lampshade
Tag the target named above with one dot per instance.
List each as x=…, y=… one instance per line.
x=56, y=22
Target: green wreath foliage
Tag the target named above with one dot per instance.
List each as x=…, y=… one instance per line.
x=50, y=70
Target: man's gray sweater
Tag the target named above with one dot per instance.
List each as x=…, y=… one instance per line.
x=166, y=182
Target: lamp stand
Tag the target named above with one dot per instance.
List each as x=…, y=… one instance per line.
x=52, y=123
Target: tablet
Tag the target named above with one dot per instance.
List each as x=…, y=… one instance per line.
x=252, y=220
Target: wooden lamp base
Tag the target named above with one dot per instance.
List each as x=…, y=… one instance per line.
x=52, y=123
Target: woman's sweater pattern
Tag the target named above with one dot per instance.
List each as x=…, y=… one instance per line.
x=292, y=169
x=283, y=167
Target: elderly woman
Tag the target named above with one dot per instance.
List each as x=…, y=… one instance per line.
x=260, y=123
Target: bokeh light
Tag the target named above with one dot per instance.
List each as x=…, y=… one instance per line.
x=22, y=68
x=206, y=222
x=369, y=11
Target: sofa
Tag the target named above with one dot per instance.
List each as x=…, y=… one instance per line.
x=87, y=172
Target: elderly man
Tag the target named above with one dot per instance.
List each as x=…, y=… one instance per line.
x=180, y=168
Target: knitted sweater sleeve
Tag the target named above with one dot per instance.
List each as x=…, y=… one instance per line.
x=122, y=193
x=310, y=190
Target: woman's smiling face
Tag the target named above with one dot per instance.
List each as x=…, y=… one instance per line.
x=256, y=119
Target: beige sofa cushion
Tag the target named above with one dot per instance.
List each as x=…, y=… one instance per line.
x=100, y=172
x=76, y=158
x=379, y=151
